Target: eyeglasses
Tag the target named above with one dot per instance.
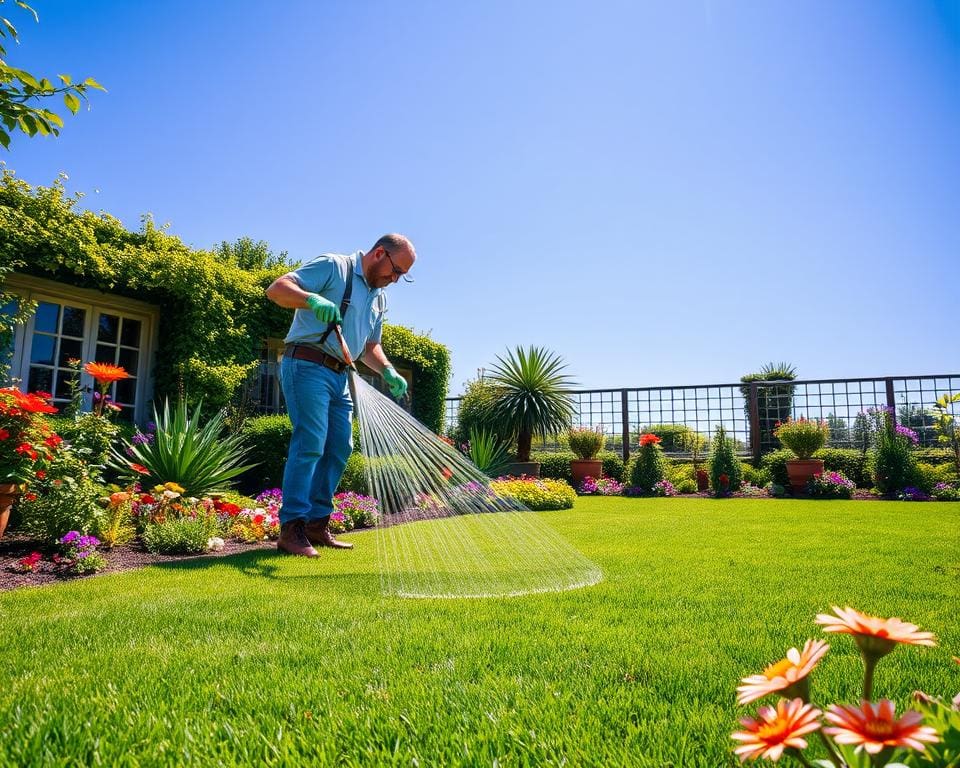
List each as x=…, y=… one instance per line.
x=398, y=272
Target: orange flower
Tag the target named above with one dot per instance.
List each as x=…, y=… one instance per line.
x=139, y=468
x=875, y=636
x=787, y=676
x=874, y=727
x=649, y=439
x=105, y=373
x=776, y=730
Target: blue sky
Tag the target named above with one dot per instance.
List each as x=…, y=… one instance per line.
x=663, y=193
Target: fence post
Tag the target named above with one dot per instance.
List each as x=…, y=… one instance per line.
x=891, y=403
x=755, y=422
x=625, y=417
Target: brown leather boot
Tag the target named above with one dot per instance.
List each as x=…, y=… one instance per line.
x=294, y=541
x=318, y=532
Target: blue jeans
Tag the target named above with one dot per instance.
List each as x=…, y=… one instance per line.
x=320, y=408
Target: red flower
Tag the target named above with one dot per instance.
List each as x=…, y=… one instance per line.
x=53, y=441
x=25, y=402
x=30, y=496
x=139, y=468
x=446, y=472
x=41, y=474
x=27, y=450
x=106, y=374
x=258, y=519
x=4, y=434
x=649, y=439
x=147, y=499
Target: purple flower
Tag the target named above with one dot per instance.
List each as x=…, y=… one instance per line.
x=910, y=493
x=141, y=438
x=271, y=496
x=70, y=537
x=908, y=433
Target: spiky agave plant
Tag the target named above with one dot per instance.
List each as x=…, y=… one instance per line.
x=195, y=456
x=531, y=396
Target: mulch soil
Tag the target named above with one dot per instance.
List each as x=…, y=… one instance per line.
x=15, y=547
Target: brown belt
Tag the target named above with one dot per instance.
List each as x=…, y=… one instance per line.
x=314, y=355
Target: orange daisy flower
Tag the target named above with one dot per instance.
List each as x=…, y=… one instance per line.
x=874, y=727
x=649, y=438
x=105, y=373
x=776, y=730
x=875, y=636
x=787, y=676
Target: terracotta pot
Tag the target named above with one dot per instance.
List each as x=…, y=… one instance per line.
x=703, y=480
x=801, y=470
x=8, y=495
x=582, y=468
x=529, y=468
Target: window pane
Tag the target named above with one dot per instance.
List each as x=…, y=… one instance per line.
x=41, y=380
x=63, y=383
x=73, y=320
x=108, y=327
x=41, y=351
x=46, y=317
x=10, y=308
x=130, y=334
x=128, y=359
x=126, y=391
x=106, y=354
x=69, y=348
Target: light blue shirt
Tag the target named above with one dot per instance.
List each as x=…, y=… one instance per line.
x=363, y=321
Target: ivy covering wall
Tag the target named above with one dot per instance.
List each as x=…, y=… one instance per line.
x=213, y=315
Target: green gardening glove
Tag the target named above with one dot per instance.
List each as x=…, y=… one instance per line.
x=396, y=382
x=326, y=311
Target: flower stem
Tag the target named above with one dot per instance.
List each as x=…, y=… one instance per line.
x=834, y=755
x=801, y=759
x=869, y=663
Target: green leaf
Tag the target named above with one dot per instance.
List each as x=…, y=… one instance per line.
x=10, y=27
x=5, y=139
x=90, y=82
x=52, y=117
x=72, y=102
x=28, y=8
x=65, y=79
x=28, y=124
x=26, y=78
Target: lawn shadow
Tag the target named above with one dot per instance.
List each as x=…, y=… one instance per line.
x=265, y=564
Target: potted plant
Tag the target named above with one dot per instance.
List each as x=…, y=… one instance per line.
x=26, y=444
x=804, y=437
x=586, y=443
x=530, y=395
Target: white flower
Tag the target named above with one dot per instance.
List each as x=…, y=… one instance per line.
x=171, y=495
x=215, y=544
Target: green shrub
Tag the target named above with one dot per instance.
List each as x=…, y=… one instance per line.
x=724, y=461
x=686, y=486
x=934, y=455
x=674, y=438
x=267, y=439
x=852, y=463
x=894, y=467
x=65, y=500
x=775, y=463
x=475, y=410
x=759, y=477
x=181, y=535
x=612, y=465
x=681, y=472
x=929, y=475
x=354, y=476
x=90, y=436
x=555, y=464
x=488, y=453
x=537, y=494
x=648, y=467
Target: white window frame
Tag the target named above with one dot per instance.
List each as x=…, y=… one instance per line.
x=94, y=303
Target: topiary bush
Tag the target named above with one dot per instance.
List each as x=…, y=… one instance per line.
x=649, y=466
x=724, y=462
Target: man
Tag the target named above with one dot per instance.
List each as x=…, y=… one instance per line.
x=330, y=290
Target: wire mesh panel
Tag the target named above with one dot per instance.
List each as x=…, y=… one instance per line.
x=749, y=412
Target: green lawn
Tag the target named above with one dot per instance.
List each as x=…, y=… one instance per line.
x=263, y=659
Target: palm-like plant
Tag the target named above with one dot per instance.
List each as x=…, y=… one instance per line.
x=531, y=396
x=185, y=452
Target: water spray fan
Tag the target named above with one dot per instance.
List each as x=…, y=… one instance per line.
x=443, y=531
